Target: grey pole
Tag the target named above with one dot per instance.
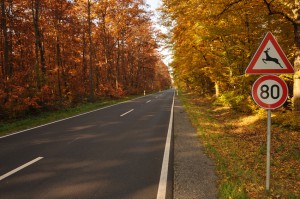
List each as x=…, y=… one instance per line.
x=268, y=150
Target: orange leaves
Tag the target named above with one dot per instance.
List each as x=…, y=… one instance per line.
x=56, y=59
x=31, y=102
x=16, y=102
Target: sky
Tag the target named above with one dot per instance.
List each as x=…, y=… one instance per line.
x=154, y=4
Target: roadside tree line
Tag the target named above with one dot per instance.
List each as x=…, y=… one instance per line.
x=213, y=42
x=57, y=53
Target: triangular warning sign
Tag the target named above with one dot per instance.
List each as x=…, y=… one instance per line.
x=269, y=58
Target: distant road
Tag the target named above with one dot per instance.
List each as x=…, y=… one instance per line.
x=115, y=152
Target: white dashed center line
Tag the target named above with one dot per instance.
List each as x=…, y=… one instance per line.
x=126, y=113
x=20, y=168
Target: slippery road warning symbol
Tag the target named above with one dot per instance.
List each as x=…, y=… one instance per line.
x=269, y=59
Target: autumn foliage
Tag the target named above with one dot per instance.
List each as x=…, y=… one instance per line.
x=59, y=53
x=213, y=42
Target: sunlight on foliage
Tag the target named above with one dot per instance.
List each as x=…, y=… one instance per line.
x=237, y=143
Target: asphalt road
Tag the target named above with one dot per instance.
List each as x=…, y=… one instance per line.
x=115, y=152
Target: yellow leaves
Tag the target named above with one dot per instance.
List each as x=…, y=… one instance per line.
x=219, y=35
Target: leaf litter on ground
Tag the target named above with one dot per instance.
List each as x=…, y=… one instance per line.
x=237, y=143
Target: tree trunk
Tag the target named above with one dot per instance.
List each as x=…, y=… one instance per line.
x=84, y=64
x=90, y=53
x=217, y=87
x=296, y=91
x=7, y=72
x=58, y=52
x=58, y=65
x=39, y=51
x=124, y=79
x=118, y=64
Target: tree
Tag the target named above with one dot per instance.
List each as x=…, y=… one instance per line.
x=291, y=12
x=213, y=42
x=90, y=50
x=55, y=54
x=7, y=68
x=39, y=48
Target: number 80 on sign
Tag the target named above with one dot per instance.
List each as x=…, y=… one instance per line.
x=269, y=92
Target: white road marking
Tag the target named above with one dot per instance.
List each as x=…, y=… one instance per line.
x=162, y=188
x=50, y=123
x=148, y=101
x=126, y=113
x=20, y=168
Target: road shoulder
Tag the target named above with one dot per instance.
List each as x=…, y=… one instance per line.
x=194, y=172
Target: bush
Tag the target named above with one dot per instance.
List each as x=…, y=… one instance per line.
x=287, y=119
x=237, y=102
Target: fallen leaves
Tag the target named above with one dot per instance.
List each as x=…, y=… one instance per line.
x=237, y=143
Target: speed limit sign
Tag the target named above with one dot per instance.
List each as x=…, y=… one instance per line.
x=269, y=92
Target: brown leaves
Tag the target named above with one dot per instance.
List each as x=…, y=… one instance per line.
x=54, y=59
x=237, y=142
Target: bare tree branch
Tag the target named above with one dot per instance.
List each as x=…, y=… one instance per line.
x=228, y=6
x=273, y=12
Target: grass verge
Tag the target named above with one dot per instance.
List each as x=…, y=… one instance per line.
x=237, y=143
x=47, y=117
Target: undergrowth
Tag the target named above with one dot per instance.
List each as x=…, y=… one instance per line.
x=7, y=127
x=237, y=143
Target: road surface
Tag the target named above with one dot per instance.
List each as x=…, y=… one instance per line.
x=115, y=152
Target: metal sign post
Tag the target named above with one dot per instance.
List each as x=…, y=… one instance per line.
x=269, y=92
x=268, y=150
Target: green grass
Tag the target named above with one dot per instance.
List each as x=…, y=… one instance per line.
x=47, y=117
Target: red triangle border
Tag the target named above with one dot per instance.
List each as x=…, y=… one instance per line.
x=269, y=37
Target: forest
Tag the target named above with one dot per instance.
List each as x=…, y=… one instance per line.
x=213, y=42
x=58, y=53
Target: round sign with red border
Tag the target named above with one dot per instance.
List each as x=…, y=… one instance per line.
x=269, y=92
